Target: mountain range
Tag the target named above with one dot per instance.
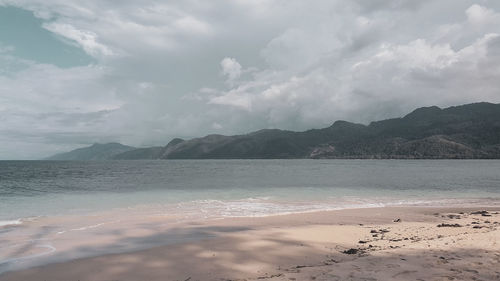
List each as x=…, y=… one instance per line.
x=460, y=132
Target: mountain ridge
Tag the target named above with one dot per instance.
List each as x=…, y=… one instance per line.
x=457, y=132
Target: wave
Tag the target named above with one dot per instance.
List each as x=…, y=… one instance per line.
x=262, y=207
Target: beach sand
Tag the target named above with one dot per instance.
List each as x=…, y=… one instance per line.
x=391, y=243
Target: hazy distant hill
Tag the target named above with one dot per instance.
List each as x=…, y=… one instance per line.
x=139, y=153
x=463, y=132
x=96, y=151
x=148, y=152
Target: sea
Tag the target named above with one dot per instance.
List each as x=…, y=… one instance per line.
x=42, y=202
x=227, y=188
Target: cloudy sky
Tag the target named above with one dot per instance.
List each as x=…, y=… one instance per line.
x=142, y=72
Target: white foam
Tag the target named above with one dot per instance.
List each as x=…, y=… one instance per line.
x=50, y=249
x=10, y=222
x=88, y=227
x=262, y=207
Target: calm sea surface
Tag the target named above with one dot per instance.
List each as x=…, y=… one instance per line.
x=240, y=187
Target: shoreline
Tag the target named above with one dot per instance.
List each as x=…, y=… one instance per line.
x=254, y=247
x=291, y=207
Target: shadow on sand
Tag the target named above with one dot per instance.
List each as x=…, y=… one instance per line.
x=218, y=254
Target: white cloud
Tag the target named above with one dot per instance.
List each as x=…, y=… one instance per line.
x=231, y=68
x=86, y=39
x=477, y=14
x=233, y=98
x=47, y=88
x=191, y=24
x=384, y=80
x=417, y=54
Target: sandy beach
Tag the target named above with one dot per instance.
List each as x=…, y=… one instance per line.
x=391, y=243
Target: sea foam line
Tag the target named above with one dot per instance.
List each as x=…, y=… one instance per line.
x=10, y=222
x=87, y=227
x=46, y=246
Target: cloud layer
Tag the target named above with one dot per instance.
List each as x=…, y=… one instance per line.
x=167, y=69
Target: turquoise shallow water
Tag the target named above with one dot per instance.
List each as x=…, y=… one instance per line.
x=240, y=187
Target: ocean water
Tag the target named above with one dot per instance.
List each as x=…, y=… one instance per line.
x=54, y=211
x=222, y=188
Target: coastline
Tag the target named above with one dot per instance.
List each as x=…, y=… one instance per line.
x=303, y=246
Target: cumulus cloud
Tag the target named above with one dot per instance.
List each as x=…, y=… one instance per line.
x=187, y=68
x=317, y=79
x=231, y=68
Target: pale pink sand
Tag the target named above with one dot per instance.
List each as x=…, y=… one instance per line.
x=308, y=247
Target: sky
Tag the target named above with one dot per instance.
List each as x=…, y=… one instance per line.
x=73, y=73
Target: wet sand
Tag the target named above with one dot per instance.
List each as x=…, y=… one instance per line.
x=391, y=243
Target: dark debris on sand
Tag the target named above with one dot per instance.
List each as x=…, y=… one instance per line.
x=482, y=213
x=449, y=225
x=352, y=251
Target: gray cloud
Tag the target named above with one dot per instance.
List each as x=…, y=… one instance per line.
x=169, y=69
